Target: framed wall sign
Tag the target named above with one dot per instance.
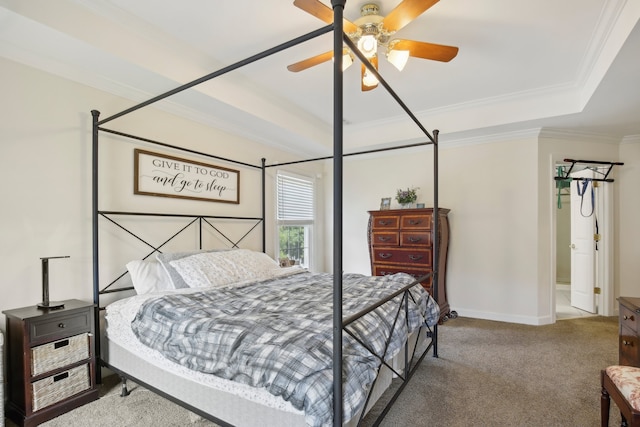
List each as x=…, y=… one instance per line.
x=167, y=176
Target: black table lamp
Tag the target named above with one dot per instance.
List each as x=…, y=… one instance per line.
x=45, y=285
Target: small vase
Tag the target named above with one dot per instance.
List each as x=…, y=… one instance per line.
x=406, y=205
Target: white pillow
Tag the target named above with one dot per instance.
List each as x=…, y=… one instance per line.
x=148, y=276
x=175, y=277
x=225, y=268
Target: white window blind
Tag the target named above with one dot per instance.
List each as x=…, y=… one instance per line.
x=295, y=198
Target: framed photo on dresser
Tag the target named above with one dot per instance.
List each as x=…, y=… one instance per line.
x=385, y=203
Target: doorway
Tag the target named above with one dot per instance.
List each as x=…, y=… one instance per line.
x=583, y=280
x=564, y=309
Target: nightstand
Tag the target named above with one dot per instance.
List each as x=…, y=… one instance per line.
x=51, y=361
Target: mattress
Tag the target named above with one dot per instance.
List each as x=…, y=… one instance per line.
x=207, y=395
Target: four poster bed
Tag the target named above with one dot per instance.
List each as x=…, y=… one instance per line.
x=243, y=341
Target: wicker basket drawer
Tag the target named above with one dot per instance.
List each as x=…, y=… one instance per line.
x=57, y=354
x=55, y=388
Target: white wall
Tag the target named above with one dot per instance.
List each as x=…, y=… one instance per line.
x=45, y=147
x=492, y=196
x=628, y=234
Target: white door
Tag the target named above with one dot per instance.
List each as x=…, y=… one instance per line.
x=583, y=249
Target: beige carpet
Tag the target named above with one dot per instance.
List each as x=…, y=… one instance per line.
x=488, y=374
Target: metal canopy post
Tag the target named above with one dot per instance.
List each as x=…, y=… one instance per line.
x=436, y=238
x=338, y=11
x=264, y=205
x=94, y=220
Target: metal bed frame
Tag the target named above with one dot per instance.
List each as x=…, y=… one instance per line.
x=339, y=324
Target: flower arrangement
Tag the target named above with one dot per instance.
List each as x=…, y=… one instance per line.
x=407, y=196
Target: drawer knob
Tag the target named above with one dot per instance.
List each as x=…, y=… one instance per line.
x=625, y=342
x=384, y=238
x=385, y=256
x=61, y=325
x=625, y=317
x=415, y=221
x=415, y=257
x=414, y=239
x=383, y=222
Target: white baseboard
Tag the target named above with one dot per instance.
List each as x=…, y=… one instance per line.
x=503, y=317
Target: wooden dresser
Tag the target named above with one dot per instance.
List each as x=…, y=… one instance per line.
x=401, y=240
x=51, y=361
x=628, y=340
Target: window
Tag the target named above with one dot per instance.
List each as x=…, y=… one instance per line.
x=295, y=217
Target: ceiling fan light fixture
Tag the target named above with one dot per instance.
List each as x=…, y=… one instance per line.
x=368, y=79
x=347, y=59
x=368, y=45
x=398, y=58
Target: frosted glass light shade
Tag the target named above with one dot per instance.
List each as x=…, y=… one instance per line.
x=347, y=60
x=368, y=45
x=368, y=79
x=398, y=58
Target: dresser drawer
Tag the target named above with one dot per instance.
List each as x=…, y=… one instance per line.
x=57, y=354
x=415, y=238
x=385, y=222
x=416, y=221
x=60, y=326
x=628, y=344
x=629, y=319
x=386, y=238
x=386, y=270
x=402, y=256
x=56, y=388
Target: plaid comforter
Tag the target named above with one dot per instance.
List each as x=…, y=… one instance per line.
x=277, y=334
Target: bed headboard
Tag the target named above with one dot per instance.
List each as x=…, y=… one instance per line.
x=182, y=232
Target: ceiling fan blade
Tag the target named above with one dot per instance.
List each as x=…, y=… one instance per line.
x=405, y=12
x=310, y=62
x=324, y=13
x=363, y=71
x=436, y=52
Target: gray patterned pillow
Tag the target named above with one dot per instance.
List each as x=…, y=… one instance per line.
x=174, y=276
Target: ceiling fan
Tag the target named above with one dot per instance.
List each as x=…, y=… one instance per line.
x=371, y=31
